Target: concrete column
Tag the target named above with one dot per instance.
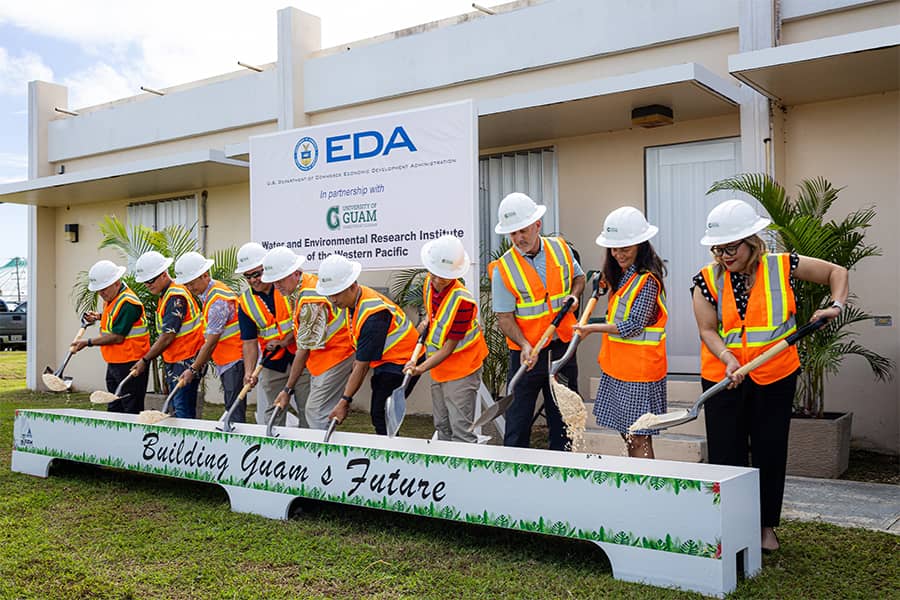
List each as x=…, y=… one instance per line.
x=757, y=25
x=42, y=342
x=299, y=35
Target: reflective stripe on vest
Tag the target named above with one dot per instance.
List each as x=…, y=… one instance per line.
x=642, y=357
x=770, y=317
x=189, y=338
x=337, y=345
x=470, y=351
x=228, y=349
x=536, y=303
x=137, y=340
x=401, y=336
x=268, y=326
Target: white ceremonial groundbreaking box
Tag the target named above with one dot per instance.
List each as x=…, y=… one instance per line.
x=660, y=522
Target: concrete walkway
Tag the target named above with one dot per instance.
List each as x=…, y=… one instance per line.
x=848, y=503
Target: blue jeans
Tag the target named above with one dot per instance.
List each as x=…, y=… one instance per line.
x=185, y=399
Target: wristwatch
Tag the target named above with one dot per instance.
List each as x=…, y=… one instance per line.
x=837, y=304
x=348, y=399
x=90, y=343
x=288, y=390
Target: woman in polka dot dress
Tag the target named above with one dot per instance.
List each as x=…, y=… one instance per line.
x=633, y=351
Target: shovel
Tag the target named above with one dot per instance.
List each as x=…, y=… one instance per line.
x=395, y=406
x=502, y=405
x=332, y=425
x=54, y=380
x=677, y=417
x=149, y=417
x=600, y=289
x=104, y=397
x=242, y=395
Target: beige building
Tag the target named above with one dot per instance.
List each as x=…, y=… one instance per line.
x=800, y=88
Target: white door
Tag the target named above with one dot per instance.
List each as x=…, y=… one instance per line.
x=677, y=178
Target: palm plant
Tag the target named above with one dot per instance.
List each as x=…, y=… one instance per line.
x=406, y=289
x=801, y=227
x=131, y=242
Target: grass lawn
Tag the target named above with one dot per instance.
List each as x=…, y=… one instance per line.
x=87, y=532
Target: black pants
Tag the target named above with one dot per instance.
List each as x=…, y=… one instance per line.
x=753, y=420
x=521, y=412
x=133, y=392
x=383, y=385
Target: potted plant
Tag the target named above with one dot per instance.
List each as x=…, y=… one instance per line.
x=819, y=444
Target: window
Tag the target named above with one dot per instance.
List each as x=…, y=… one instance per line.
x=531, y=172
x=159, y=214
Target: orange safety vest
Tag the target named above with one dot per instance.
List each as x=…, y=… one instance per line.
x=137, y=341
x=470, y=351
x=268, y=326
x=189, y=338
x=228, y=349
x=337, y=336
x=642, y=357
x=770, y=317
x=537, y=304
x=401, y=337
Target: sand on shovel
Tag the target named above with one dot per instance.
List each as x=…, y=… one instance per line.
x=650, y=420
x=571, y=407
x=53, y=383
x=150, y=417
x=101, y=397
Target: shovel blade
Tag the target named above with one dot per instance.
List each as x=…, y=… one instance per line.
x=493, y=411
x=670, y=419
x=395, y=410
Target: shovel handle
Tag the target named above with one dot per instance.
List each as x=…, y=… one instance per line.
x=551, y=329
x=417, y=351
x=790, y=340
x=78, y=335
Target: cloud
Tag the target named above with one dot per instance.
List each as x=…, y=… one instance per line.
x=100, y=83
x=17, y=71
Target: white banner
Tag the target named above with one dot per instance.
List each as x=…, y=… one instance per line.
x=373, y=189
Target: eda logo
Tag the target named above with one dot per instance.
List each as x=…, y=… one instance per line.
x=306, y=154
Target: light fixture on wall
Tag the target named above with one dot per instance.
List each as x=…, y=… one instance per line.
x=71, y=232
x=654, y=115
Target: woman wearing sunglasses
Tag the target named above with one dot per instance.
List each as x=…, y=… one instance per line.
x=744, y=303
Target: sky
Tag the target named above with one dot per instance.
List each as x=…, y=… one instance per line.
x=105, y=50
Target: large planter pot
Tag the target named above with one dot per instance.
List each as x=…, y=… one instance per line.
x=819, y=447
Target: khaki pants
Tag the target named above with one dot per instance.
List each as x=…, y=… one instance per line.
x=454, y=407
x=270, y=384
x=325, y=392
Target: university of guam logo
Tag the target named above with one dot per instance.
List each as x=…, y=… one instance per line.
x=333, y=218
x=306, y=153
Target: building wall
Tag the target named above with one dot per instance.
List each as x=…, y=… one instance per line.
x=859, y=18
x=855, y=144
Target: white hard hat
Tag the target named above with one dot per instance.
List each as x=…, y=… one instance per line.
x=516, y=212
x=445, y=257
x=103, y=274
x=336, y=274
x=149, y=265
x=279, y=263
x=249, y=257
x=190, y=266
x=625, y=226
x=731, y=221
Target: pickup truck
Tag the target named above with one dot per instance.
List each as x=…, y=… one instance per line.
x=12, y=325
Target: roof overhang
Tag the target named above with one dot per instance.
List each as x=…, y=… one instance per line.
x=690, y=90
x=161, y=175
x=855, y=64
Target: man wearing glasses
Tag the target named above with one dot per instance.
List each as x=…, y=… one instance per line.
x=265, y=320
x=178, y=323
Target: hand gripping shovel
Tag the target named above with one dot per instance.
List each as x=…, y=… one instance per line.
x=149, y=417
x=502, y=405
x=600, y=289
x=677, y=417
x=104, y=397
x=54, y=380
x=395, y=405
x=242, y=395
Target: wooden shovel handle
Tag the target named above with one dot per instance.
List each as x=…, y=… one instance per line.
x=256, y=371
x=551, y=329
x=77, y=336
x=782, y=345
x=585, y=317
